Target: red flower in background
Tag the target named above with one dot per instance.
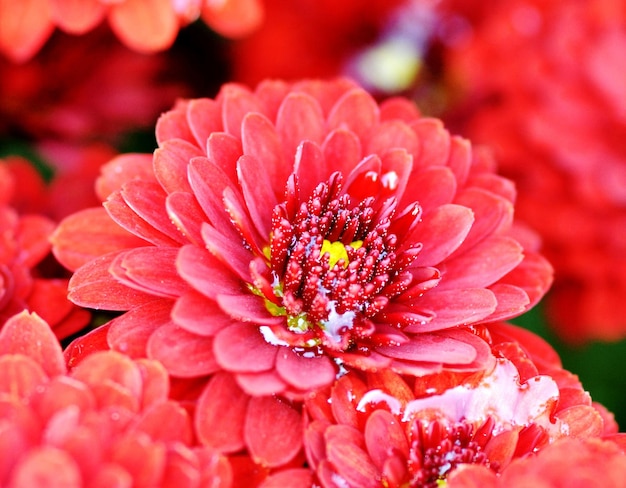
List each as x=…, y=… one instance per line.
x=25, y=283
x=554, y=113
x=79, y=92
x=279, y=233
x=107, y=422
x=381, y=429
x=145, y=26
x=566, y=463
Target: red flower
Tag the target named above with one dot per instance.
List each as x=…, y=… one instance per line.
x=25, y=283
x=566, y=463
x=281, y=233
x=384, y=430
x=546, y=91
x=143, y=25
x=107, y=422
x=93, y=102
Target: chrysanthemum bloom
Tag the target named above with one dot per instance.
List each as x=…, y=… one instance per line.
x=381, y=430
x=546, y=90
x=571, y=463
x=281, y=233
x=24, y=247
x=107, y=422
x=50, y=98
x=146, y=26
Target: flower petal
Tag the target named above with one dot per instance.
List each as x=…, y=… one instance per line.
x=89, y=234
x=129, y=333
x=200, y=315
x=259, y=384
x=241, y=348
x=145, y=26
x=435, y=142
x=355, y=110
x=304, y=373
x=183, y=354
x=29, y=335
x=77, y=16
x=122, y=169
x=170, y=164
x=220, y=414
x=150, y=269
x=204, y=117
x=345, y=450
x=92, y=286
x=384, y=434
x=299, y=118
x=273, y=431
x=433, y=348
x=257, y=191
x=342, y=150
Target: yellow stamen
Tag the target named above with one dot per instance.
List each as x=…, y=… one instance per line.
x=337, y=251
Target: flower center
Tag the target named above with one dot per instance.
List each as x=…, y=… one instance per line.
x=438, y=448
x=333, y=264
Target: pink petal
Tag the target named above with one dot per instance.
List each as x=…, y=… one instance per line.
x=342, y=150
x=129, y=333
x=392, y=135
x=241, y=348
x=299, y=119
x=399, y=163
x=345, y=396
x=144, y=461
x=237, y=102
x=29, y=335
x=204, y=117
x=534, y=275
x=460, y=158
x=581, y=421
x=304, y=373
x=20, y=376
x=148, y=201
x=435, y=142
x=260, y=384
x=433, y=348
x=492, y=214
x=232, y=253
x=145, y=26
x=310, y=167
x=122, y=169
x=92, y=286
x=220, y=414
x=174, y=124
x=165, y=422
x=77, y=16
x=483, y=264
x=442, y=232
x=512, y=301
x=183, y=354
x=431, y=188
x=47, y=466
x=273, y=431
x=26, y=26
x=127, y=218
x=247, y=308
x=186, y=214
x=150, y=269
x=384, y=436
x=170, y=164
x=260, y=139
x=86, y=344
x=110, y=367
x=356, y=110
x=257, y=191
x=200, y=315
x=289, y=478
x=208, y=182
x=224, y=150
x=399, y=108
x=89, y=234
x=235, y=18
x=156, y=382
x=455, y=307
x=206, y=273
x=345, y=450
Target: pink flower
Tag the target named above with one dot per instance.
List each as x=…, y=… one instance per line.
x=25, y=283
x=544, y=87
x=107, y=422
x=49, y=98
x=143, y=25
x=281, y=233
x=381, y=429
x=568, y=462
